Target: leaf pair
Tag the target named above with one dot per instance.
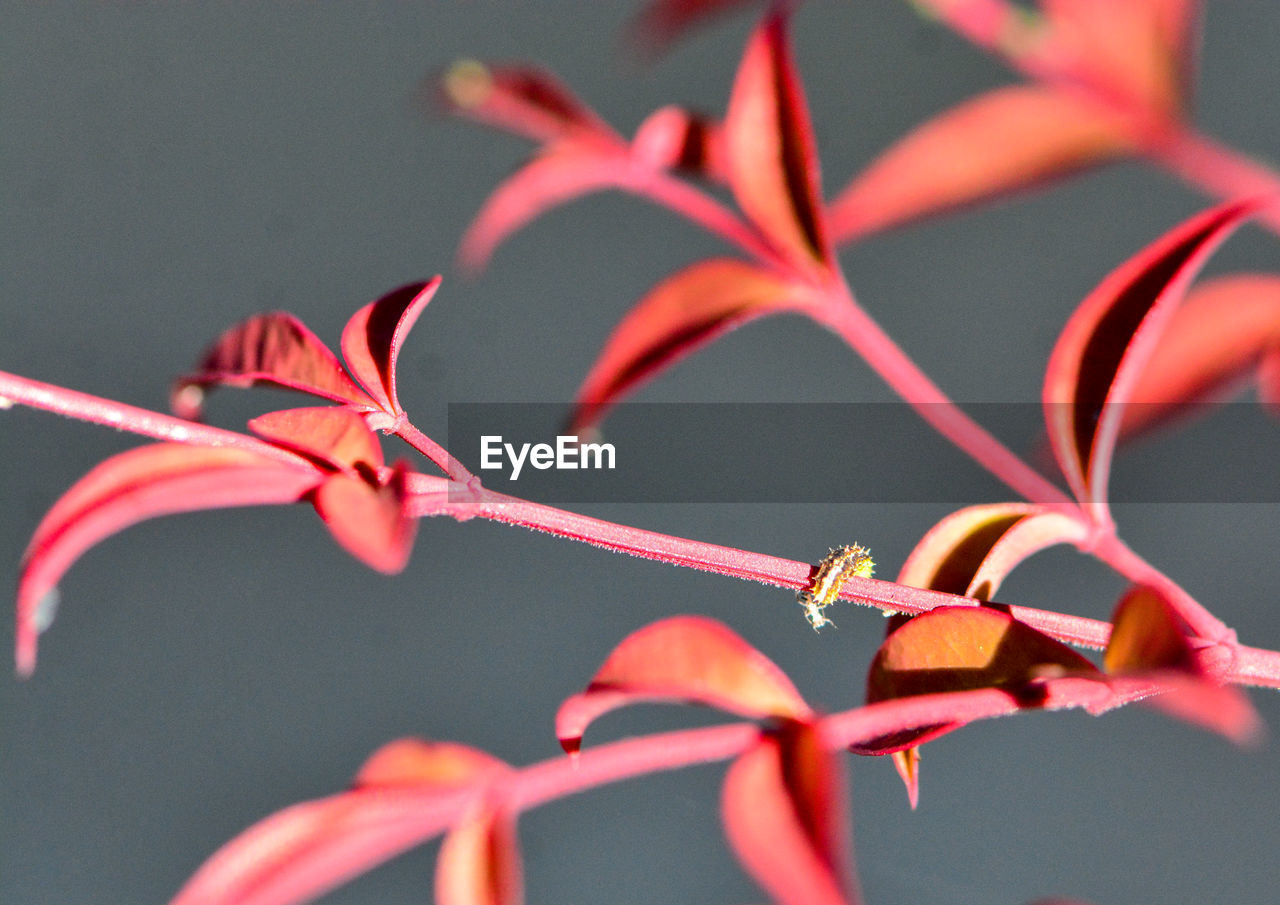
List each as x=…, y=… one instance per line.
x=337, y=462
x=406, y=793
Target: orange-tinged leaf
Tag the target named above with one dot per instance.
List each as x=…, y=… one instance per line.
x=685, y=658
x=480, y=860
x=369, y=521
x=160, y=479
x=680, y=314
x=1139, y=49
x=521, y=99
x=372, y=338
x=773, y=166
x=971, y=551
x=303, y=851
x=1109, y=339
x=421, y=764
x=1003, y=141
x=1226, y=328
x=560, y=173
x=784, y=809
x=274, y=348
x=336, y=436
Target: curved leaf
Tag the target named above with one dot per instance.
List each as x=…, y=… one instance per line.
x=424, y=765
x=971, y=551
x=274, y=348
x=480, y=860
x=685, y=658
x=371, y=521
x=682, y=313
x=558, y=174
x=373, y=336
x=1226, y=328
x=1000, y=142
x=305, y=850
x=773, y=166
x=521, y=99
x=784, y=808
x=337, y=437
x=143, y=483
x=1109, y=339
x=674, y=138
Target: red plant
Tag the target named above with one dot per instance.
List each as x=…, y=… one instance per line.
x=1109, y=79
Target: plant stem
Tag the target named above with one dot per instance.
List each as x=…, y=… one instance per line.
x=432, y=450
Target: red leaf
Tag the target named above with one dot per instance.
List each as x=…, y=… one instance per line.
x=680, y=314
x=305, y=850
x=1149, y=640
x=143, y=483
x=273, y=348
x=1109, y=339
x=1225, y=329
x=673, y=138
x=961, y=648
x=1140, y=49
x=520, y=99
x=370, y=521
x=971, y=551
x=337, y=437
x=480, y=861
x=1003, y=141
x=773, y=166
x=558, y=174
x=685, y=658
x=784, y=809
x=372, y=339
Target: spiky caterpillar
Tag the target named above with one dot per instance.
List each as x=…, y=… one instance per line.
x=841, y=563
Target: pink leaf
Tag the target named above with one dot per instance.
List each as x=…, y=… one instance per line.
x=785, y=814
x=675, y=139
x=773, y=166
x=140, y=484
x=337, y=437
x=685, y=658
x=558, y=174
x=521, y=99
x=1003, y=141
x=373, y=336
x=1225, y=329
x=970, y=552
x=661, y=23
x=423, y=765
x=370, y=521
x=305, y=850
x=1149, y=640
x=271, y=348
x=480, y=860
x=680, y=314
x=1109, y=339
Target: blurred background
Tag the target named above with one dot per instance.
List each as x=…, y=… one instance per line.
x=171, y=169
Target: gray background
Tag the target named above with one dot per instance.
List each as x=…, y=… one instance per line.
x=168, y=170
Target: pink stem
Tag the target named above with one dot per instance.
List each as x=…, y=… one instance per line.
x=1217, y=169
x=857, y=328
x=432, y=450
x=51, y=398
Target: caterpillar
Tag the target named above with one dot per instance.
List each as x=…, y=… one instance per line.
x=841, y=563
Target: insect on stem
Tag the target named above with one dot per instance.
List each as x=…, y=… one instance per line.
x=841, y=563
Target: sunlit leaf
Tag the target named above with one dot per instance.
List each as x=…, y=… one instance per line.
x=1003, y=141
x=773, y=165
x=273, y=348
x=1108, y=341
x=373, y=336
x=143, y=483
x=480, y=860
x=685, y=658
x=369, y=520
x=303, y=851
x=785, y=814
x=679, y=315
x=336, y=436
